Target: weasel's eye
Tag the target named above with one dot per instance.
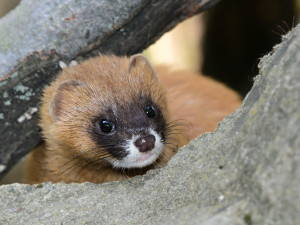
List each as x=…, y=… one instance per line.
x=106, y=126
x=150, y=111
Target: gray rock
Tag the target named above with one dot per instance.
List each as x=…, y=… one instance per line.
x=246, y=172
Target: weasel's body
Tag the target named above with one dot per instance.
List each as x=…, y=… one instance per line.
x=108, y=119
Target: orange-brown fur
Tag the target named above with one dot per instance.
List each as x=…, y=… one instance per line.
x=197, y=101
x=200, y=100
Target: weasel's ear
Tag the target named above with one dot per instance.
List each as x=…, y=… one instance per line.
x=140, y=62
x=63, y=96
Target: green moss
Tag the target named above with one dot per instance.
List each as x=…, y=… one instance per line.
x=39, y=186
x=247, y=219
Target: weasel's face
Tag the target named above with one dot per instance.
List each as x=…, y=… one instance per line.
x=116, y=112
x=133, y=134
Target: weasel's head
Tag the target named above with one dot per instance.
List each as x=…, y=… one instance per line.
x=110, y=109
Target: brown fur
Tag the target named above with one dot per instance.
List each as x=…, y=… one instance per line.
x=197, y=101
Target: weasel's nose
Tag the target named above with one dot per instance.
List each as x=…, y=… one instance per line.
x=145, y=143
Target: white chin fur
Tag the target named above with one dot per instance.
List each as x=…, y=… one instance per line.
x=137, y=159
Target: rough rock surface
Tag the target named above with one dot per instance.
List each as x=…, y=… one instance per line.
x=246, y=172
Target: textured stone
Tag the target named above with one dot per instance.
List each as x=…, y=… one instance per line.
x=246, y=172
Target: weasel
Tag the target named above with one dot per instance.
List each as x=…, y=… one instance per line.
x=111, y=118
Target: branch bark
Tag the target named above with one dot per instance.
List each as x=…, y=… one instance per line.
x=38, y=34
